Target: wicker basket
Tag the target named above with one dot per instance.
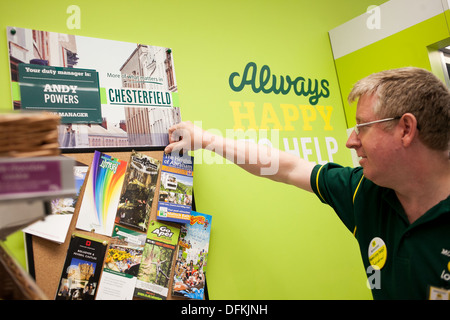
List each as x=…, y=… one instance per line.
x=29, y=134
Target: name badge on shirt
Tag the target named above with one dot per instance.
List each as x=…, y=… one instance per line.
x=438, y=294
x=377, y=253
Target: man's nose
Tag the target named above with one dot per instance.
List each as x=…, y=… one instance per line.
x=353, y=141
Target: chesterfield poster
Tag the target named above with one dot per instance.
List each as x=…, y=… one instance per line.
x=108, y=93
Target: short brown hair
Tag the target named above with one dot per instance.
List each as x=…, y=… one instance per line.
x=412, y=90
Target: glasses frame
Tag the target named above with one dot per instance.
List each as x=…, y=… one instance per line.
x=356, y=128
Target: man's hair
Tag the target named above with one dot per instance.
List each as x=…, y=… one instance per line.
x=412, y=90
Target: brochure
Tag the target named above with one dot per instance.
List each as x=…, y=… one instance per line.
x=82, y=267
x=175, y=194
x=102, y=193
x=124, y=235
x=121, y=265
x=192, y=255
x=157, y=259
x=138, y=191
x=56, y=225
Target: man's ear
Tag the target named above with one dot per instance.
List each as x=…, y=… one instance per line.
x=408, y=124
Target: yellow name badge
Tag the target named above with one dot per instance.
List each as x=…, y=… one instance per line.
x=377, y=253
x=438, y=294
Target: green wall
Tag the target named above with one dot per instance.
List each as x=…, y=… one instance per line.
x=413, y=46
x=269, y=241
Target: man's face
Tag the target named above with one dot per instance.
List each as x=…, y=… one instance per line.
x=373, y=145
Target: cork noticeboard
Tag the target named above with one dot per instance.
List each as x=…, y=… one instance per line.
x=48, y=257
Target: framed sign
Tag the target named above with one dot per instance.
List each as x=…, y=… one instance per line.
x=109, y=94
x=72, y=94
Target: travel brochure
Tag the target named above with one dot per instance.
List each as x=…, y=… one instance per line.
x=156, y=264
x=192, y=256
x=102, y=194
x=175, y=194
x=138, y=191
x=119, y=272
x=82, y=267
x=122, y=264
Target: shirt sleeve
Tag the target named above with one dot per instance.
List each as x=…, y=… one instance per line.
x=336, y=186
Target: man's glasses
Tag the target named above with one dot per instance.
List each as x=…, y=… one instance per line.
x=356, y=128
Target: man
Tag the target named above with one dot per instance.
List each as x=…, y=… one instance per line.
x=397, y=202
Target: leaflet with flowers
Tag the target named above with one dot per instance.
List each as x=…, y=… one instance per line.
x=122, y=264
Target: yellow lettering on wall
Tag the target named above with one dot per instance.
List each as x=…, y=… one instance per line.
x=269, y=116
x=292, y=116
x=290, y=113
x=249, y=115
x=326, y=117
x=307, y=116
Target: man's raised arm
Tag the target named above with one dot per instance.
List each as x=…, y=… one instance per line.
x=259, y=160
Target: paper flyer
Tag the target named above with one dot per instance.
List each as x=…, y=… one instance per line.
x=192, y=256
x=82, y=268
x=121, y=265
x=56, y=225
x=138, y=191
x=175, y=194
x=155, y=270
x=102, y=193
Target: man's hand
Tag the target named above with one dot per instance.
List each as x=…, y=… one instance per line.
x=185, y=136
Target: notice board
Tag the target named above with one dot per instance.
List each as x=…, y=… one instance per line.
x=46, y=258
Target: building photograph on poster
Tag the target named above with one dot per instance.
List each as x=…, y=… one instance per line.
x=107, y=93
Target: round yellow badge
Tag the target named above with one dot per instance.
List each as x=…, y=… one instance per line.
x=377, y=253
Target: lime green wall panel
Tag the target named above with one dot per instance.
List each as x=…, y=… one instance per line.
x=14, y=244
x=406, y=48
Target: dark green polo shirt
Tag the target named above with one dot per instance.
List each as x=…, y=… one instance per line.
x=415, y=259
